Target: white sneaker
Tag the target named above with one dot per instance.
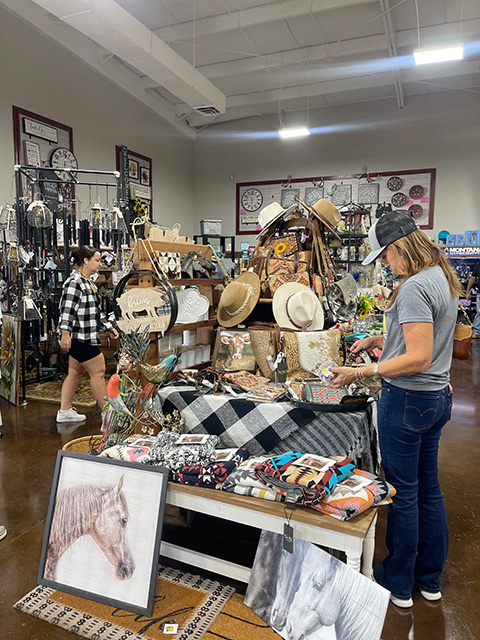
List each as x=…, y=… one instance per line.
x=70, y=415
x=403, y=603
x=432, y=596
x=3, y=532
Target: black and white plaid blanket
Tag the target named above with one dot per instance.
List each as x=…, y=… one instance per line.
x=273, y=427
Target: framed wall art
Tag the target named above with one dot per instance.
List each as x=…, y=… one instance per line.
x=31, y=153
x=413, y=190
x=136, y=176
x=233, y=351
x=103, y=530
x=10, y=358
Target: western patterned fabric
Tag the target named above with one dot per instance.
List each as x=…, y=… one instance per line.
x=243, y=481
x=209, y=475
x=273, y=428
x=125, y=452
x=344, y=503
x=302, y=483
x=322, y=395
x=166, y=453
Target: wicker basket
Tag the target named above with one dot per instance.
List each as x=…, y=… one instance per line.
x=82, y=445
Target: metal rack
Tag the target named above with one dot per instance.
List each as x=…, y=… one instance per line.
x=48, y=236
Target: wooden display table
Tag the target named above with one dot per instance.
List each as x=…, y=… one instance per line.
x=356, y=538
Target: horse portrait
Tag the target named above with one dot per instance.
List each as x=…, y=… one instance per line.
x=100, y=512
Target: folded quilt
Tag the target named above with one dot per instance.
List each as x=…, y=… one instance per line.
x=130, y=453
x=243, y=481
x=210, y=475
x=345, y=503
x=300, y=482
x=166, y=452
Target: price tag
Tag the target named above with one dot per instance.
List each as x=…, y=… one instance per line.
x=170, y=628
x=288, y=537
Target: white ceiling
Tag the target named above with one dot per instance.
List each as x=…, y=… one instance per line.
x=246, y=58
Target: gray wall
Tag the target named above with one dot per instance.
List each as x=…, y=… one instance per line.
x=438, y=130
x=38, y=75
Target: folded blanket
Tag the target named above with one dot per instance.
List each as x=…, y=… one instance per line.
x=243, y=481
x=130, y=453
x=303, y=483
x=166, y=452
x=344, y=503
x=210, y=475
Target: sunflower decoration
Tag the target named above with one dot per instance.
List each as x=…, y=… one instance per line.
x=280, y=247
x=365, y=304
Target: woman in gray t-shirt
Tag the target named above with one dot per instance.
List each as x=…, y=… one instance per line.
x=415, y=402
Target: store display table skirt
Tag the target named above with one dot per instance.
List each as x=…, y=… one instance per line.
x=274, y=427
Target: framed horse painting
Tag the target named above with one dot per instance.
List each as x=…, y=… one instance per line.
x=103, y=530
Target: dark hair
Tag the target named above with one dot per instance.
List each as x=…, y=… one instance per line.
x=79, y=255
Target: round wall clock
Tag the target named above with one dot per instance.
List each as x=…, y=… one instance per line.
x=399, y=199
x=63, y=158
x=252, y=199
x=416, y=192
x=395, y=183
x=416, y=210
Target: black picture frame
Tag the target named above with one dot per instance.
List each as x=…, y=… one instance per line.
x=133, y=169
x=145, y=176
x=120, y=568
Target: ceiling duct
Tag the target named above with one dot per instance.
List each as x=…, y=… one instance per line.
x=208, y=111
x=108, y=24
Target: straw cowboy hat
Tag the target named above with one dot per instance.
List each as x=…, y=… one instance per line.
x=271, y=213
x=238, y=299
x=327, y=211
x=295, y=306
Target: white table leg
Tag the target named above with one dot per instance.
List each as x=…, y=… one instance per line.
x=369, y=550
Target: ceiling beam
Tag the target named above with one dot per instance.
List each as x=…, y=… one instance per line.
x=392, y=50
x=109, y=25
x=406, y=38
x=416, y=74
x=245, y=18
x=98, y=59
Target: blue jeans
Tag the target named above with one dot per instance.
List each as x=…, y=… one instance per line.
x=409, y=427
x=476, y=320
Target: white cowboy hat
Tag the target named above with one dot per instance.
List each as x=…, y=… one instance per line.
x=271, y=213
x=238, y=299
x=295, y=306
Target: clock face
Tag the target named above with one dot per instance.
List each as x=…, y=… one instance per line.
x=252, y=199
x=62, y=158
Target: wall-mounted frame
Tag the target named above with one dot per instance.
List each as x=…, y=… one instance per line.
x=10, y=357
x=233, y=350
x=136, y=170
x=35, y=138
x=105, y=544
x=413, y=190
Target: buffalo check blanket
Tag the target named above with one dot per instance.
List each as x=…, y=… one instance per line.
x=273, y=428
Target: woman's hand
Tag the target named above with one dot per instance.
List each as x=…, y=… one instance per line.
x=365, y=344
x=343, y=375
x=113, y=334
x=65, y=341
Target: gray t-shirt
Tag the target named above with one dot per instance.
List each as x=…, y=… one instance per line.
x=425, y=297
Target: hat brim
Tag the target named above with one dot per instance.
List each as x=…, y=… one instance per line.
x=224, y=318
x=373, y=255
x=279, y=307
x=275, y=218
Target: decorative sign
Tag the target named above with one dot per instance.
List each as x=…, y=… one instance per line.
x=465, y=252
x=142, y=307
x=413, y=190
x=137, y=174
x=141, y=191
x=31, y=152
x=40, y=130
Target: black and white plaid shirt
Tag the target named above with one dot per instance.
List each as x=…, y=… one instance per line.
x=80, y=311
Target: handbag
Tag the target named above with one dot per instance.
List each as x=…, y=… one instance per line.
x=462, y=338
x=306, y=351
x=278, y=279
x=297, y=262
x=341, y=298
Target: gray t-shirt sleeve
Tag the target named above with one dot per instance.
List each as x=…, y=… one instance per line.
x=413, y=304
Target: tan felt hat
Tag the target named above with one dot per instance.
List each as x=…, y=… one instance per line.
x=295, y=306
x=238, y=299
x=328, y=211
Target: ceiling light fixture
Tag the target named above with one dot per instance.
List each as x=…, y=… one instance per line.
x=293, y=132
x=438, y=54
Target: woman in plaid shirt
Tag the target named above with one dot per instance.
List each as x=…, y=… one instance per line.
x=80, y=321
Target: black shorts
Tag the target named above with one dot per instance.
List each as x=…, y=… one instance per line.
x=83, y=351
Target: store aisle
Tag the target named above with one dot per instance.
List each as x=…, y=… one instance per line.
x=27, y=459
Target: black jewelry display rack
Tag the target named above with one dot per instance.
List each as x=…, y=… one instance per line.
x=30, y=181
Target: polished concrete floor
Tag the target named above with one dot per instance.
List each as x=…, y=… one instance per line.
x=27, y=460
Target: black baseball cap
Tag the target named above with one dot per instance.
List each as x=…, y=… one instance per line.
x=390, y=227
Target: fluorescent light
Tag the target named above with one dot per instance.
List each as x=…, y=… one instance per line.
x=438, y=54
x=293, y=133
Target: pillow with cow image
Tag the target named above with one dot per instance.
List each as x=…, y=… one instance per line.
x=233, y=350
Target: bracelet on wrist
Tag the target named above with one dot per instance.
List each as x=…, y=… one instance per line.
x=375, y=370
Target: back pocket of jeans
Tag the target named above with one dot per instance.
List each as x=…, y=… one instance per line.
x=420, y=410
